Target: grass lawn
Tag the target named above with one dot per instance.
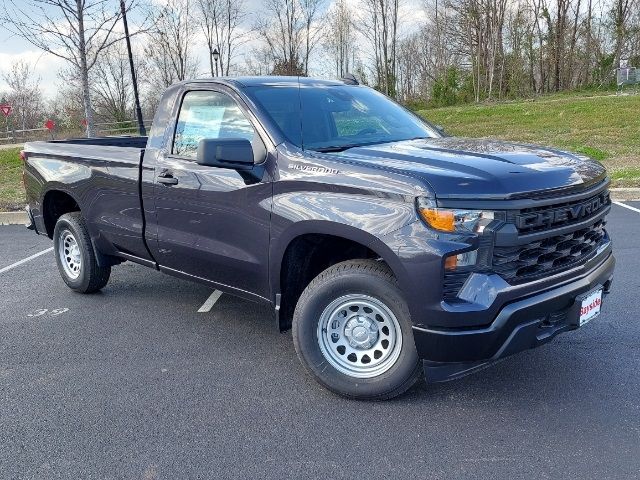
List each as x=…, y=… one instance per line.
x=11, y=189
x=606, y=128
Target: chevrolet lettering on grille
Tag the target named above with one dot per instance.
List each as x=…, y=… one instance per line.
x=562, y=214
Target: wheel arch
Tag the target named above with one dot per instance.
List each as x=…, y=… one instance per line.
x=308, y=248
x=55, y=203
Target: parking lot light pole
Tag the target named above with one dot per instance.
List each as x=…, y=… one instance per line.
x=216, y=57
x=141, y=128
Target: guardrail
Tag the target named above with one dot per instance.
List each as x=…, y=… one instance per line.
x=16, y=136
x=127, y=127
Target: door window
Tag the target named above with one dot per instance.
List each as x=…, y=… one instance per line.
x=207, y=114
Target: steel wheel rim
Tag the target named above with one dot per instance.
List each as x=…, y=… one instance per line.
x=359, y=336
x=69, y=254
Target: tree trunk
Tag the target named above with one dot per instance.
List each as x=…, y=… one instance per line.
x=84, y=72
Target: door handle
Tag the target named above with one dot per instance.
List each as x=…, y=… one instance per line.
x=167, y=179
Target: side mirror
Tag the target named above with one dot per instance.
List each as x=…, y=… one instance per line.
x=233, y=153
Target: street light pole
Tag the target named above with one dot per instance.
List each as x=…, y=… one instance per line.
x=216, y=56
x=141, y=128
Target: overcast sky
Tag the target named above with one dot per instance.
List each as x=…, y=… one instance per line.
x=47, y=66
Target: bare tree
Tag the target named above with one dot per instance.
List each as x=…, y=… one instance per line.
x=112, y=87
x=66, y=108
x=24, y=94
x=340, y=37
x=378, y=23
x=621, y=12
x=77, y=31
x=282, y=32
x=312, y=28
x=259, y=61
x=495, y=48
x=290, y=31
x=169, y=46
x=221, y=23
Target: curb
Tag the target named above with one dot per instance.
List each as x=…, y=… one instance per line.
x=621, y=194
x=14, y=218
x=7, y=146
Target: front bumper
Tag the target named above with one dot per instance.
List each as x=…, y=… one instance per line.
x=519, y=325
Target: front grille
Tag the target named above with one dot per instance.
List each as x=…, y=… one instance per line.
x=548, y=256
x=536, y=219
x=543, y=257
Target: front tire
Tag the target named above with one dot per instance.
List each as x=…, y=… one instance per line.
x=75, y=256
x=352, y=332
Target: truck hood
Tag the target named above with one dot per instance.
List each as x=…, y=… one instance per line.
x=478, y=168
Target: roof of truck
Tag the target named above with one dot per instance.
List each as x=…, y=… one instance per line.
x=266, y=81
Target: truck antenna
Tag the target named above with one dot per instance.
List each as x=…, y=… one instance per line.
x=350, y=79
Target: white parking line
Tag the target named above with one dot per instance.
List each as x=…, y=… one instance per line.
x=627, y=206
x=25, y=260
x=210, y=302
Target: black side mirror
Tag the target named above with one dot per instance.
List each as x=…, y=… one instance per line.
x=234, y=153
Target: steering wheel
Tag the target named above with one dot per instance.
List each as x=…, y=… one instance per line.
x=366, y=131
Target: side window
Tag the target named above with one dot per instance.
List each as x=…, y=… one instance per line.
x=207, y=114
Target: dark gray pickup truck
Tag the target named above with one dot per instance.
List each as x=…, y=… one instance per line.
x=388, y=247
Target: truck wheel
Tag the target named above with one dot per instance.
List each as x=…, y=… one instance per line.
x=75, y=255
x=352, y=332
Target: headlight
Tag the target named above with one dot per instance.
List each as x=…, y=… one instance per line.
x=453, y=220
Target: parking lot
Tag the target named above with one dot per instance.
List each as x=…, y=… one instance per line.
x=134, y=382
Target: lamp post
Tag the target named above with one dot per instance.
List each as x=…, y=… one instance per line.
x=141, y=129
x=216, y=57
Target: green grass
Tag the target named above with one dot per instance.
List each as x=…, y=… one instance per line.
x=606, y=128
x=626, y=177
x=11, y=189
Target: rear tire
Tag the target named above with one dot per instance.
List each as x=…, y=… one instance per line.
x=352, y=332
x=75, y=256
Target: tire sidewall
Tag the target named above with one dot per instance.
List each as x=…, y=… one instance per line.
x=308, y=314
x=67, y=222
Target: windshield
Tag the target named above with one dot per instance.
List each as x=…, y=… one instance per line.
x=336, y=117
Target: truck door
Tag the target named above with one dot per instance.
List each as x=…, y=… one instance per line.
x=212, y=223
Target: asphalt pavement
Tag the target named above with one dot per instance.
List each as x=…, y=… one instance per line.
x=135, y=383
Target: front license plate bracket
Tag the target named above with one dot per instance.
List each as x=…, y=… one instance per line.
x=589, y=305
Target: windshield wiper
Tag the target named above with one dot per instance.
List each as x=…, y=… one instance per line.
x=336, y=148
x=419, y=138
x=342, y=148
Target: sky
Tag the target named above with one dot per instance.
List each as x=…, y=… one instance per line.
x=47, y=66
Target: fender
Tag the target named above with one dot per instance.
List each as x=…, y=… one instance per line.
x=340, y=215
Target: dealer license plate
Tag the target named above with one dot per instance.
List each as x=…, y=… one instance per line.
x=590, y=307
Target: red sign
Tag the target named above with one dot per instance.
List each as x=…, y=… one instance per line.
x=84, y=122
x=49, y=124
x=6, y=110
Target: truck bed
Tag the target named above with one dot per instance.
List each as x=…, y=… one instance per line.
x=98, y=148
x=104, y=174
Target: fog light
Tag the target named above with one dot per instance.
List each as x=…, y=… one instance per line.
x=465, y=259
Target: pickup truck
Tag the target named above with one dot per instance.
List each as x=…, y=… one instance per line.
x=390, y=249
